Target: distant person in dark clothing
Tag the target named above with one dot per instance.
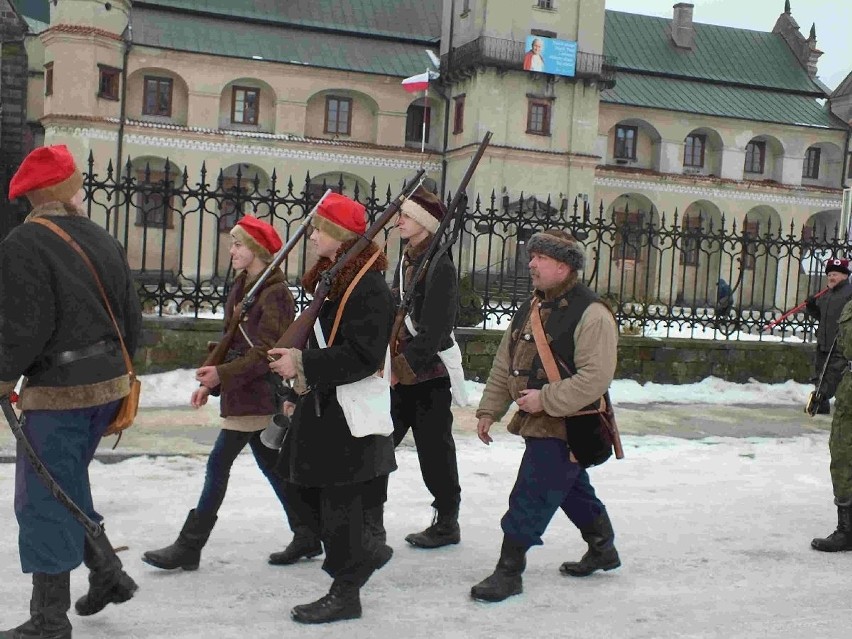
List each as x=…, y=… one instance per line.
x=724, y=298
x=826, y=310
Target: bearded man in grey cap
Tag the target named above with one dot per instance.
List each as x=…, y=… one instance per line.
x=583, y=337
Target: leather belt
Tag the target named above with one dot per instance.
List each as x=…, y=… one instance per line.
x=66, y=357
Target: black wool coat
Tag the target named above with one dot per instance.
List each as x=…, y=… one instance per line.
x=50, y=304
x=433, y=311
x=826, y=309
x=319, y=449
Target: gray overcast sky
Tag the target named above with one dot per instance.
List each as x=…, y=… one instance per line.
x=833, y=20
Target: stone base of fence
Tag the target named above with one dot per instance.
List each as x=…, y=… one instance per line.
x=171, y=343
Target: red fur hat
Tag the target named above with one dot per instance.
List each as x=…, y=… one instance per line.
x=47, y=174
x=342, y=218
x=837, y=264
x=259, y=236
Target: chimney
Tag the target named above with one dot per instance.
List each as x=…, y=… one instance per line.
x=682, y=32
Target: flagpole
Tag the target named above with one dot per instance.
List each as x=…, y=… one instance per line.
x=425, y=112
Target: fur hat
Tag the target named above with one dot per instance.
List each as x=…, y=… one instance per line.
x=47, y=174
x=425, y=208
x=342, y=218
x=261, y=238
x=559, y=245
x=838, y=265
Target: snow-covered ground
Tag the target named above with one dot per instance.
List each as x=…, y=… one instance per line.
x=713, y=534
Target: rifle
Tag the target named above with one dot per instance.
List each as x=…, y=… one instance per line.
x=438, y=245
x=218, y=353
x=816, y=397
x=296, y=335
x=798, y=308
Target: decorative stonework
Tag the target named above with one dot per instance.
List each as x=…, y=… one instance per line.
x=215, y=147
x=711, y=193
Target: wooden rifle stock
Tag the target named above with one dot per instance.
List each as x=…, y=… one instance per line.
x=436, y=248
x=297, y=334
x=218, y=353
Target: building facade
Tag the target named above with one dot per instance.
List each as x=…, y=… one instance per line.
x=662, y=117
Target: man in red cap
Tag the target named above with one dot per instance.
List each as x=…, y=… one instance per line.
x=57, y=333
x=329, y=468
x=826, y=310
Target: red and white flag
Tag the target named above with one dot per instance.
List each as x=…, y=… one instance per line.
x=419, y=82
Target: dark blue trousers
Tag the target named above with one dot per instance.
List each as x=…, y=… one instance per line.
x=547, y=481
x=50, y=539
x=228, y=445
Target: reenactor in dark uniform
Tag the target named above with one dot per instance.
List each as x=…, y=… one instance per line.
x=826, y=310
x=56, y=331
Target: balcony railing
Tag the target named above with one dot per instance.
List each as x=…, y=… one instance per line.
x=508, y=55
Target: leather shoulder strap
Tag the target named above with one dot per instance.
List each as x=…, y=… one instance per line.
x=348, y=292
x=545, y=353
x=79, y=249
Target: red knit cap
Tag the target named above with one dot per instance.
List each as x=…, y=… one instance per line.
x=47, y=174
x=259, y=236
x=342, y=218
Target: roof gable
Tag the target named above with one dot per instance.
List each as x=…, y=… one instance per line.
x=727, y=55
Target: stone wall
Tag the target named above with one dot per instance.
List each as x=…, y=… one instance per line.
x=170, y=343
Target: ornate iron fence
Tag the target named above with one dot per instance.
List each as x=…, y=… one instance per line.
x=694, y=276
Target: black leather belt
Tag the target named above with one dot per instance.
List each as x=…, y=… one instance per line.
x=66, y=357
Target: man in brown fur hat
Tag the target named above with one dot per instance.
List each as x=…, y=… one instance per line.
x=582, y=335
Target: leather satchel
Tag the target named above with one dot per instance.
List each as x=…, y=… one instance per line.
x=129, y=406
x=592, y=433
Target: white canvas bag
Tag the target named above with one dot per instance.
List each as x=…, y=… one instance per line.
x=365, y=403
x=451, y=357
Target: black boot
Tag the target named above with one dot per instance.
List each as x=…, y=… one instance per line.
x=601, y=554
x=506, y=579
x=186, y=551
x=48, y=609
x=375, y=537
x=840, y=539
x=108, y=583
x=305, y=544
x=343, y=601
x=443, y=531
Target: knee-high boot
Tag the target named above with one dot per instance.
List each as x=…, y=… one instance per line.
x=108, y=583
x=48, y=609
x=186, y=551
x=506, y=579
x=601, y=554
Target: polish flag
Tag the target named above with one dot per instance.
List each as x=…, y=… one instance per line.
x=416, y=83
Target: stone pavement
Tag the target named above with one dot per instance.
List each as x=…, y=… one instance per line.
x=186, y=431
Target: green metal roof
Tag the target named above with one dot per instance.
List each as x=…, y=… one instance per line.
x=404, y=19
x=37, y=9
x=720, y=54
x=233, y=38
x=722, y=100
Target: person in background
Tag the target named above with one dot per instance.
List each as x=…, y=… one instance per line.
x=826, y=310
x=328, y=470
x=583, y=336
x=248, y=398
x=56, y=331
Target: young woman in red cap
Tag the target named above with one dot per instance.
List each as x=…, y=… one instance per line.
x=320, y=457
x=248, y=401
x=57, y=332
